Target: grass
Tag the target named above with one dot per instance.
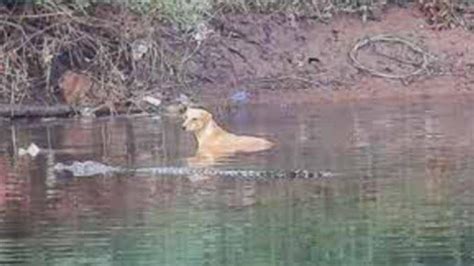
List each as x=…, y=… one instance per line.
x=188, y=13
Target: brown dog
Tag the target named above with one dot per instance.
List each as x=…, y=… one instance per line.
x=214, y=141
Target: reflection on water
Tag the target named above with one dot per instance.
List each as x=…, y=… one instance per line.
x=405, y=197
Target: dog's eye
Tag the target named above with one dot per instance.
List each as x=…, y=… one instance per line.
x=194, y=119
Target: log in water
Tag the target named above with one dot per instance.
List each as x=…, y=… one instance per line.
x=20, y=110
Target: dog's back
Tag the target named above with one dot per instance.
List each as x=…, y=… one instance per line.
x=214, y=139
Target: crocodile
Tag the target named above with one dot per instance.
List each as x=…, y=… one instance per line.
x=92, y=168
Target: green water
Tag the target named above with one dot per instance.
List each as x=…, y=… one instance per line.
x=404, y=196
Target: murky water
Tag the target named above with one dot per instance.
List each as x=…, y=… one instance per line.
x=405, y=196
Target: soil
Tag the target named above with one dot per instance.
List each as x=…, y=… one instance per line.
x=273, y=58
x=280, y=59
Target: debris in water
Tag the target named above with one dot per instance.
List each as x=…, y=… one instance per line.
x=87, y=112
x=240, y=97
x=32, y=150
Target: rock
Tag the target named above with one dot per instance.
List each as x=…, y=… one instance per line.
x=75, y=87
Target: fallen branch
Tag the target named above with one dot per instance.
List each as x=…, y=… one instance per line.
x=18, y=110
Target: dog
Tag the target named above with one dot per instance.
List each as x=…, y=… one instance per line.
x=215, y=142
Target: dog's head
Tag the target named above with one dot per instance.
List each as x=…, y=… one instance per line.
x=196, y=119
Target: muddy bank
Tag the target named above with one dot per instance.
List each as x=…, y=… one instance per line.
x=277, y=59
x=112, y=58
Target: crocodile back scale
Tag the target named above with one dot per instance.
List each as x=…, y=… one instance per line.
x=91, y=168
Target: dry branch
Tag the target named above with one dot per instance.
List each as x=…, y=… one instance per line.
x=38, y=46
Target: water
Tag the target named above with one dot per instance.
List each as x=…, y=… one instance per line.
x=405, y=196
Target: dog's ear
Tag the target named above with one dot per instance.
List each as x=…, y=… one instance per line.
x=207, y=117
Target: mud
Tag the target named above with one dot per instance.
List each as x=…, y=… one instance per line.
x=117, y=58
x=278, y=58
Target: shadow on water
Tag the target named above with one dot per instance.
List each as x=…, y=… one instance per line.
x=405, y=197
